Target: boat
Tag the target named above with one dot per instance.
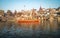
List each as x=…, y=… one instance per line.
x=29, y=21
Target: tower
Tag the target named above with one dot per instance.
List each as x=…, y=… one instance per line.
x=41, y=11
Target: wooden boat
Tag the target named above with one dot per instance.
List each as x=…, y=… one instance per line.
x=29, y=21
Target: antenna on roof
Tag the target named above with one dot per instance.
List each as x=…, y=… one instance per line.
x=24, y=7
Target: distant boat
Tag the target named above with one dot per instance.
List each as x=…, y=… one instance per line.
x=29, y=21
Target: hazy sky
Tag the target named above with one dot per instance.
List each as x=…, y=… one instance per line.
x=29, y=4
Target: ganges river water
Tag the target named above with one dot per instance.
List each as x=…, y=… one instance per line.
x=45, y=29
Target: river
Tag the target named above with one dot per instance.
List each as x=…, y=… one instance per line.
x=45, y=29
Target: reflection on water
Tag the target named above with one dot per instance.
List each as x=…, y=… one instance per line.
x=12, y=29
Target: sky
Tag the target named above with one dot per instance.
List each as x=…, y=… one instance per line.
x=28, y=4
